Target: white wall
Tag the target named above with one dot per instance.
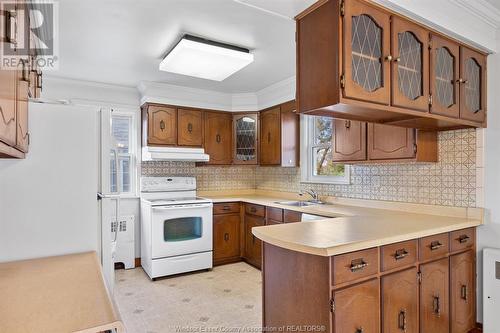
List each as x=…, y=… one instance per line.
x=489, y=234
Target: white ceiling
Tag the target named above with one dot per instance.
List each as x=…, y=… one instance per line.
x=123, y=41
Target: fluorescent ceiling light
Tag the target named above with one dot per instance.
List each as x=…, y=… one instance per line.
x=205, y=59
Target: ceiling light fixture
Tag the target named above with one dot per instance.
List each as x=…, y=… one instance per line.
x=206, y=59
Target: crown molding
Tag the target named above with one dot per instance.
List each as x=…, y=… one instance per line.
x=481, y=9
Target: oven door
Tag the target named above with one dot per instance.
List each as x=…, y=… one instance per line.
x=181, y=229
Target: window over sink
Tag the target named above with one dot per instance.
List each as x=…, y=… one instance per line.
x=316, y=151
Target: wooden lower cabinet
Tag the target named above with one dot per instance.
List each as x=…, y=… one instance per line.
x=357, y=308
x=253, y=245
x=434, y=297
x=226, y=238
x=462, y=292
x=400, y=302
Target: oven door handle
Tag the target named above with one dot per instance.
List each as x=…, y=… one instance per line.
x=208, y=205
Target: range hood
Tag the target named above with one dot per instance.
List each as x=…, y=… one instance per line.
x=174, y=154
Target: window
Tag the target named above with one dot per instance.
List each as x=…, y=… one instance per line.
x=123, y=132
x=318, y=167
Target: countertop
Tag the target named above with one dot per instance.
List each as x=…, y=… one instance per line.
x=355, y=226
x=56, y=294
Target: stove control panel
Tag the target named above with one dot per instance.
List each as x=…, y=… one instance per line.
x=167, y=184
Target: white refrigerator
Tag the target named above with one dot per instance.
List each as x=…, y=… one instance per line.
x=58, y=200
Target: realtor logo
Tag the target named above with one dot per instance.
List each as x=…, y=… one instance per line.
x=29, y=31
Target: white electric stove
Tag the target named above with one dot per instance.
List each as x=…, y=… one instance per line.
x=176, y=227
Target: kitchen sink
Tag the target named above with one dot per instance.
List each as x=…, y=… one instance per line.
x=298, y=203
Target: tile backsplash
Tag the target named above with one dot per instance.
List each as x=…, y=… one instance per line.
x=450, y=182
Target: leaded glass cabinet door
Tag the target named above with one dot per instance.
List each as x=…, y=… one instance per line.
x=366, y=50
x=472, y=85
x=245, y=138
x=444, y=84
x=410, y=65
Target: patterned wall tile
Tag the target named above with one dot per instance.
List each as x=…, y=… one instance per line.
x=450, y=182
x=208, y=178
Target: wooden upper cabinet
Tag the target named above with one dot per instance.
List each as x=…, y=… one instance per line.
x=290, y=135
x=472, y=85
x=8, y=86
x=367, y=49
x=218, y=137
x=444, y=69
x=390, y=142
x=270, y=138
x=349, y=143
x=245, y=138
x=400, y=302
x=357, y=309
x=22, y=135
x=462, y=292
x=162, y=125
x=410, y=65
x=190, y=127
x=434, y=297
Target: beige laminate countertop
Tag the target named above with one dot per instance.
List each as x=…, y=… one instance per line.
x=56, y=294
x=349, y=228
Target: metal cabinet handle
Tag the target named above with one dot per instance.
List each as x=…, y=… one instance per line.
x=359, y=330
x=226, y=236
x=436, y=306
x=190, y=128
x=435, y=245
x=347, y=124
x=402, y=322
x=463, y=239
x=24, y=75
x=400, y=254
x=162, y=125
x=357, y=265
x=461, y=80
x=388, y=58
x=398, y=59
x=217, y=138
x=39, y=80
x=463, y=292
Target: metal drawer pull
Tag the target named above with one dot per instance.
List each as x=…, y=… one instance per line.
x=357, y=265
x=226, y=208
x=401, y=254
x=436, y=306
x=463, y=292
x=402, y=320
x=226, y=236
x=435, y=245
x=463, y=239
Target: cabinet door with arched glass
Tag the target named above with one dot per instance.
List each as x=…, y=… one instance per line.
x=472, y=85
x=366, y=53
x=444, y=77
x=245, y=138
x=410, y=65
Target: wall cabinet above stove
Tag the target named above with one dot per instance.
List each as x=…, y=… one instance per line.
x=358, y=61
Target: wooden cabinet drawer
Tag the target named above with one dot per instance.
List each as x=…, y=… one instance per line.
x=256, y=210
x=226, y=208
x=433, y=247
x=398, y=255
x=272, y=222
x=462, y=239
x=355, y=265
x=290, y=216
x=275, y=214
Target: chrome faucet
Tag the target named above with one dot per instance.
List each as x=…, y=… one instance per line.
x=312, y=193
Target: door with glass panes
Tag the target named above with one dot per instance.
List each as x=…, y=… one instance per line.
x=245, y=138
x=472, y=83
x=410, y=65
x=366, y=53
x=444, y=85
